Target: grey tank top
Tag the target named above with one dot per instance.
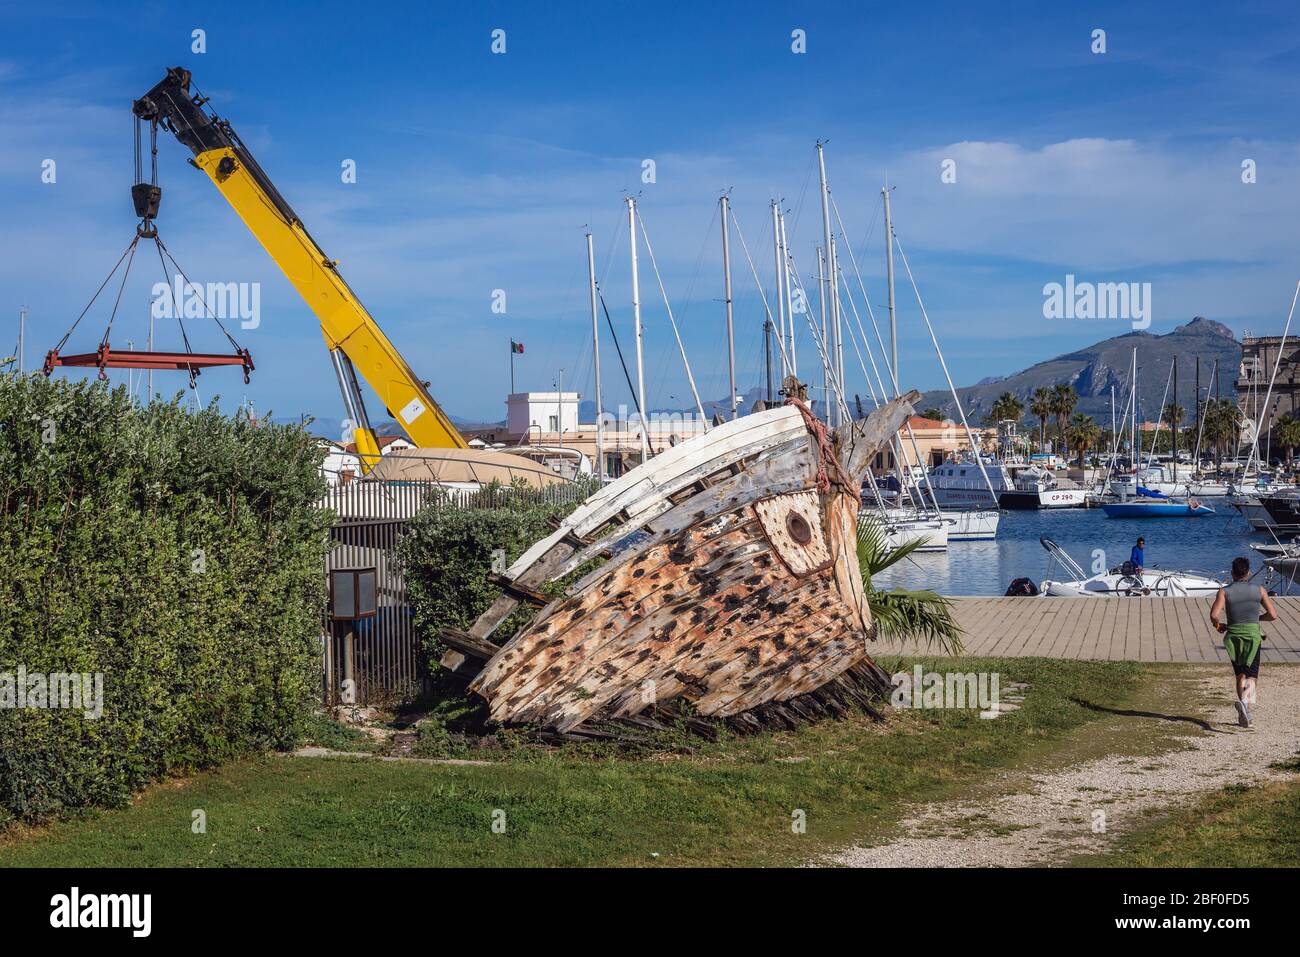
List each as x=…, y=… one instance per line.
x=1243, y=603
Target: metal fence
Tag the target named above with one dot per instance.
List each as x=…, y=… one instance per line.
x=377, y=660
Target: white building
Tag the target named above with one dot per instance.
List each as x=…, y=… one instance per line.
x=544, y=412
x=340, y=465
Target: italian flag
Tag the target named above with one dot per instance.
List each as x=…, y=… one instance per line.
x=516, y=347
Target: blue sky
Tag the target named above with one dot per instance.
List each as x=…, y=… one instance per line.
x=478, y=172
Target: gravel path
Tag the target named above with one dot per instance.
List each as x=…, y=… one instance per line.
x=1045, y=818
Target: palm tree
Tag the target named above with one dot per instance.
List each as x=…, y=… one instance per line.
x=907, y=615
x=1220, y=426
x=1041, y=406
x=1007, y=408
x=1286, y=433
x=1063, y=401
x=1083, y=434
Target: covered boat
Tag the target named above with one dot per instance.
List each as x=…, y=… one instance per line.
x=730, y=582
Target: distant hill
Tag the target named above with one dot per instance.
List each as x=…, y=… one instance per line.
x=1092, y=372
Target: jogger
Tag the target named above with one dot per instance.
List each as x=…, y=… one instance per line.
x=1246, y=606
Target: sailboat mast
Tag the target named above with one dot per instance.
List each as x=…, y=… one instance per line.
x=831, y=345
x=595, y=352
x=789, y=295
x=889, y=271
x=1197, y=463
x=1173, y=426
x=636, y=314
x=837, y=317
x=1137, y=411
x=825, y=353
x=1112, y=425
x=780, y=285
x=726, y=286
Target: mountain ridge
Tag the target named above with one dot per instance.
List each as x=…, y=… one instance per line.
x=1094, y=369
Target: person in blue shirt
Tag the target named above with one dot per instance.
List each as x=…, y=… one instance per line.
x=1138, y=557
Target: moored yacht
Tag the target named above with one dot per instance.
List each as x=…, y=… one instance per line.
x=1017, y=485
x=898, y=531
x=964, y=525
x=1125, y=485
x=1253, y=511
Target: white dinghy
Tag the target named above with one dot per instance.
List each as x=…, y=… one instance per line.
x=1122, y=582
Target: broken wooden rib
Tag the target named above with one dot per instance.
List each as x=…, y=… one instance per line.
x=733, y=585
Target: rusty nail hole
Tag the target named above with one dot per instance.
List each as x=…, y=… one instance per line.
x=798, y=528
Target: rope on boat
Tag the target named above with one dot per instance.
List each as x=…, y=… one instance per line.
x=830, y=471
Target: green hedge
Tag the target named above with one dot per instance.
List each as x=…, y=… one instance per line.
x=446, y=557
x=180, y=555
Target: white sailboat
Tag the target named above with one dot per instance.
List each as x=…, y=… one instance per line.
x=933, y=533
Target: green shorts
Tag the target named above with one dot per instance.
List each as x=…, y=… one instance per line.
x=1242, y=644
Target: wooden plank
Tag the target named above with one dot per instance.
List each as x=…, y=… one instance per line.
x=791, y=467
x=577, y=623
x=987, y=623
x=1008, y=631
x=1086, y=645
x=859, y=441
x=655, y=480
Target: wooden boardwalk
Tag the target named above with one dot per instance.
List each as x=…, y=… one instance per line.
x=1107, y=629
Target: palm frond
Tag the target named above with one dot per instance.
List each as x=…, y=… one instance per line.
x=922, y=616
x=874, y=553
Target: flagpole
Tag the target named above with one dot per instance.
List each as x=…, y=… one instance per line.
x=512, y=367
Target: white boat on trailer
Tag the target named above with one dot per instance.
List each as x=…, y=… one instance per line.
x=1122, y=582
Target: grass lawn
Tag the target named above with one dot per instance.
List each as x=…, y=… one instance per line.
x=1235, y=827
x=727, y=803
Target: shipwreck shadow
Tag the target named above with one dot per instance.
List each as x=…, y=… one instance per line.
x=1132, y=713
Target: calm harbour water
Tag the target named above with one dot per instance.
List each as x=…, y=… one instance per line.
x=1205, y=544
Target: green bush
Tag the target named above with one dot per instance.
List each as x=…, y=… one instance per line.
x=178, y=554
x=446, y=558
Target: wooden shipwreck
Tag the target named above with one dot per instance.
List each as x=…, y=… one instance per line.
x=730, y=581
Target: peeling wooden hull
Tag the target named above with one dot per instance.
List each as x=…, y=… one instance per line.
x=732, y=583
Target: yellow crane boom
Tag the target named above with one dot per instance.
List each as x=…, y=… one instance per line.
x=355, y=341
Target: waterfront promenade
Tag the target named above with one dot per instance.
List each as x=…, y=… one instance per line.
x=1107, y=629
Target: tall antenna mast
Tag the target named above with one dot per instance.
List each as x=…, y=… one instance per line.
x=22, y=337
x=726, y=286
x=636, y=314
x=595, y=352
